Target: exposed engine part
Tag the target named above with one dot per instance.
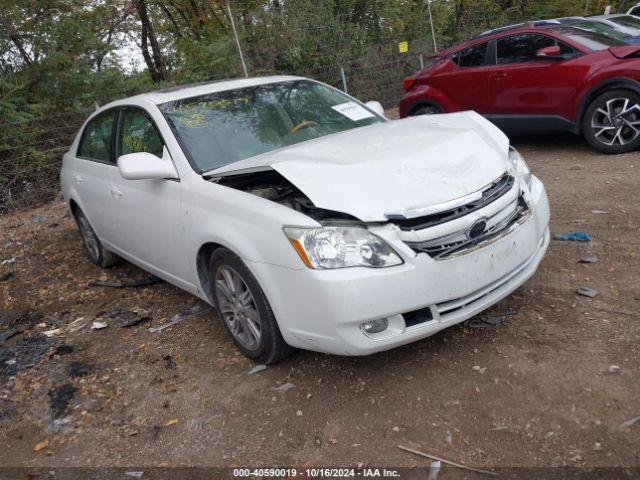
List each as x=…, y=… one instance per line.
x=272, y=186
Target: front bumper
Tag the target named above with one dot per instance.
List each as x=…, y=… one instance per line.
x=322, y=310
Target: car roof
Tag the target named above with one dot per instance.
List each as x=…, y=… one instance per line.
x=196, y=89
x=611, y=15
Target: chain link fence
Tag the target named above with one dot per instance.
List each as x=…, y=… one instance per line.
x=334, y=49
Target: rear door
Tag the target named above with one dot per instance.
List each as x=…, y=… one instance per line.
x=149, y=227
x=94, y=167
x=466, y=78
x=521, y=83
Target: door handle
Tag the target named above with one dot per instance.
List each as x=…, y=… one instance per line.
x=498, y=75
x=115, y=192
x=78, y=179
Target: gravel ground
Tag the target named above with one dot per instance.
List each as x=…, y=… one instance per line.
x=535, y=391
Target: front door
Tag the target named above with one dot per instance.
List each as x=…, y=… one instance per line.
x=150, y=227
x=521, y=83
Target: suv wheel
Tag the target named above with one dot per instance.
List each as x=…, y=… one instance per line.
x=426, y=110
x=244, y=309
x=92, y=245
x=612, y=122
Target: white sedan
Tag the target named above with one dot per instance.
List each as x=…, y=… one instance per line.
x=305, y=217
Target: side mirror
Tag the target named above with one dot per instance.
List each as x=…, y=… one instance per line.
x=146, y=166
x=376, y=107
x=549, y=52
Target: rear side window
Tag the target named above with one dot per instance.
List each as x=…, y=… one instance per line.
x=138, y=134
x=471, y=57
x=524, y=48
x=96, y=139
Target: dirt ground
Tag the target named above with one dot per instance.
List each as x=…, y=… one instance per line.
x=535, y=391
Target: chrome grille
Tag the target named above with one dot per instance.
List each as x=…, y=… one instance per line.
x=490, y=194
x=443, y=247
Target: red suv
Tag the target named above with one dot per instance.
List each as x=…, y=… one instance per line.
x=530, y=79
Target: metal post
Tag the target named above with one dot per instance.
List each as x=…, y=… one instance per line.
x=235, y=34
x=344, y=80
x=433, y=32
x=421, y=62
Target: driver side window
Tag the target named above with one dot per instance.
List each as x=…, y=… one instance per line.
x=137, y=133
x=524, y=48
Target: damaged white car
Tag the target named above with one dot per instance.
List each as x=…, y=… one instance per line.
x=304, y=216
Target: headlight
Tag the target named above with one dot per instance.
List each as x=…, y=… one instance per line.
x=340, y=247
x=521, y=166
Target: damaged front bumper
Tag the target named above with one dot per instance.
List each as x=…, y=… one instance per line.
x=324, y=310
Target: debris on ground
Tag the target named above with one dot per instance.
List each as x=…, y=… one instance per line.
x=600, y=212
x=630, y=423
x=99, y=325
x=487, y=323
x=134, y=474
x=143, y=282
x=193, y=311
x=588, y=258
x=587, y=291
x=52, y=333
x=256, y=369
x=479, y=369
x=76, y=325
x=59, y=398
x=438, y=459
x=285, y=387
x=434, y=470
x=129, y=318
x=6, y=276
x=613, y=369
x=41, y=445
x=169, y=423
x=573, y=237
x=8, y=261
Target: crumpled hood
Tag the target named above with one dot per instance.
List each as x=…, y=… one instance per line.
x=396, y=168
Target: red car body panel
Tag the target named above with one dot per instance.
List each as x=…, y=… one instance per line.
x=549, y=94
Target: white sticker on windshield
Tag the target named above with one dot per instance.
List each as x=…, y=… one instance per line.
x=353, y=111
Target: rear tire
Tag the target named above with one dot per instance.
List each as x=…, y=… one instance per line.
x=611, y=123
x=426, y=110
x=244, y=309
x=92, y=245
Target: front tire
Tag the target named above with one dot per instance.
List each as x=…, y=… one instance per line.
x=92, y=244
x=611, y=124
x=244, y=310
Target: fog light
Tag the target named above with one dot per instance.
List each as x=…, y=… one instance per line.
x=375, y=326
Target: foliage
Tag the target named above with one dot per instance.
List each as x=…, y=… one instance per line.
x=59, y=58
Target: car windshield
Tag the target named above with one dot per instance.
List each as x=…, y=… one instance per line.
x=591, y=40
x=221, y=128
x=598, y=27
x=627, y=21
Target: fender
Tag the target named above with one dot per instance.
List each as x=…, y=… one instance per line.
x=593, y=92
x=426, y=95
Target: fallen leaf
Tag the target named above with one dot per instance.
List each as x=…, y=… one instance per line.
x=173, y=421
x=41, y=445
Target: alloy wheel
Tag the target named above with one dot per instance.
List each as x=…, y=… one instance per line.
x=617, y=122
x=238, y=307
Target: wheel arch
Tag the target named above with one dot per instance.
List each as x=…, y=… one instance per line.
x=609, y=84
x=203, y=259
x=424, y=103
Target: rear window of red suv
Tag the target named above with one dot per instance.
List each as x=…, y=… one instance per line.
x=475, y=56
x=591, y=40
